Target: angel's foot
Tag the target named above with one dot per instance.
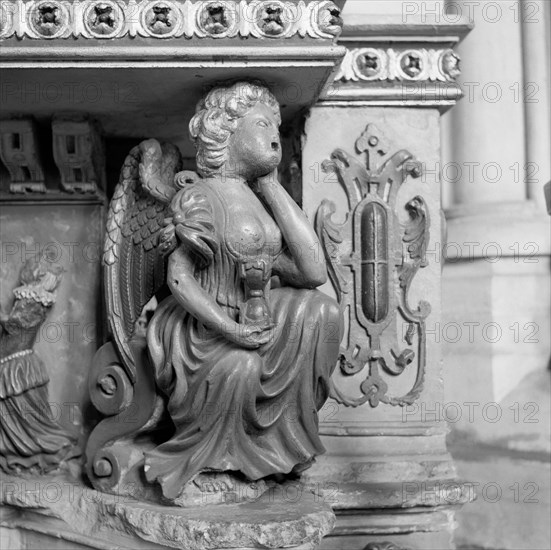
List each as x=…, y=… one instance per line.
x=219, y=488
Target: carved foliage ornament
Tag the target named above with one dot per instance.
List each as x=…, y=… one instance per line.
x=372, y=64
x=106, y=19
x=372, y=260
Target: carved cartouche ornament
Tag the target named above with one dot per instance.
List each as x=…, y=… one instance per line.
x=241, y=365
x=30, y=439
x=364, y=270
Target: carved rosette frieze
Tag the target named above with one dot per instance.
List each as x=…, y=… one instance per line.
x=111, y=19
x=372, y=259
x=376, y=64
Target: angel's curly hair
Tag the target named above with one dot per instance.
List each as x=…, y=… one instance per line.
x=216, y=119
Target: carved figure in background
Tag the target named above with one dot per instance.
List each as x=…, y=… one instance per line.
x=30, y=440
x=243, y=363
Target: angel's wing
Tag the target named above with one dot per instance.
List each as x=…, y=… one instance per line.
x=134, y=255
x=331, y=239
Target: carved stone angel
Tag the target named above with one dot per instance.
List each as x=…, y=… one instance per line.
x=243, y=347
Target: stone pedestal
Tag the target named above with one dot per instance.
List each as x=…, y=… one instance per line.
x=494, y=337
x=387, y=472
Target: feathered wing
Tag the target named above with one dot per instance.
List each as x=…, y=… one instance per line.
x=331, y=239
x=135, y=247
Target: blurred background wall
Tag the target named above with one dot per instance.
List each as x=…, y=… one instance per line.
x=496, y=288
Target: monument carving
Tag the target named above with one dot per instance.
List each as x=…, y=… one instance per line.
x=241, y=347
x=370, y=279
x=31, y=441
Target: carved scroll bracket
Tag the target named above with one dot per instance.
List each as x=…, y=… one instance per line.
x=78, y=152
x=372, y=261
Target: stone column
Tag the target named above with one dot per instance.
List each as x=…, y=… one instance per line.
x=384, y=430
x=496, y=281
x=536, y=60
x=497, y=164
x=490, y=164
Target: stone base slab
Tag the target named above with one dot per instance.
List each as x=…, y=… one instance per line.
x=62, y=507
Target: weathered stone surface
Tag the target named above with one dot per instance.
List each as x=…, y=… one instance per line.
x=30, y=438
x=286, y=517
x=69, y=338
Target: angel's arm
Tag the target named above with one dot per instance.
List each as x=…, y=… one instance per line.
x=286, y=268
x=300, y=264
x=201, y=305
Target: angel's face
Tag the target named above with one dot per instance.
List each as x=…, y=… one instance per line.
x=255, y=146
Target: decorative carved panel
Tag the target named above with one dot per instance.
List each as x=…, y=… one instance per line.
x=372, y=260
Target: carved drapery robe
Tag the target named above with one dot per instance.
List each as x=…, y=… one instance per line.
x=234, y=409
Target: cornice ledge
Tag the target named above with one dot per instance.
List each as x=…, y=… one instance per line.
x=397, y=62
x=399, y=496
x=393, y=28
x=227, y=53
